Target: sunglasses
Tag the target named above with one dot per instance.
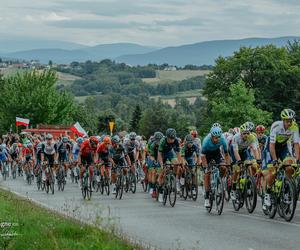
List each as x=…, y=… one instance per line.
x=246, y=133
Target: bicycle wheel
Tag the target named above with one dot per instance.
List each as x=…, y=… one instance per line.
x=184, y=190
x=273, y=208
x=126, y=187
x=38, y=182
x=47, y=186
x=107, y=186
x=172, y=190
x=52, y=185
x=211, y=201
x=219, y=196
x=237, y=202
x=250, y=194
x=165, y=194
x=89, y=189
x=121, y=187
x=145, y=185
x=258, y=180
x=133, y=181
x=63, y=183
x=194, y=192
x=287, y=200
x=29, y=178
x=72, y=175
x=227, y=188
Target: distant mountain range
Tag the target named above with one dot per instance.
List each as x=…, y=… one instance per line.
x=200, y=53
x=133, y=54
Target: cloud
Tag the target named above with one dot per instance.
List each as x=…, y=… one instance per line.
x=155, y=22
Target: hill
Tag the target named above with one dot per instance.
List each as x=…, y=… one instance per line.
x=200, y=53
x=94, y=53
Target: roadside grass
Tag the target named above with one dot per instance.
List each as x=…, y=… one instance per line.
x=38, y=228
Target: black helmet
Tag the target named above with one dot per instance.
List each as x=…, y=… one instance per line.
x=171, y=133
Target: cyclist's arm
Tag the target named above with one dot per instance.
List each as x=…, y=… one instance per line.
x=272, y=151
x=159, y=159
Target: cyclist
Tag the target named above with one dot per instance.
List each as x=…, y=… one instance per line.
x=64, y=150
x=4, y=156
x=190, y=153
x=103, y=156
x=131, y=146
x=244, y=144
x=212, y=146
x=196, y=139
x=261, y=137
x=169, y=150
x=153, y=167
x=283, y=133
x=28, y=156
x=49, y=153
x=87, y=156
x=119, y=158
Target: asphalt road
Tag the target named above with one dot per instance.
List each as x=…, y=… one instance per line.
x=154, y=226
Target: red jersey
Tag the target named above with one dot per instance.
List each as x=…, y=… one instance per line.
x=103, y=151
x=86, y=149
x=27, y=152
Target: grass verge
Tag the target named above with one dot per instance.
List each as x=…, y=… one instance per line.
x=24, y=225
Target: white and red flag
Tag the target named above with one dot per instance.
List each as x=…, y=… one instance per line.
x=78, y=130
x=22, y=122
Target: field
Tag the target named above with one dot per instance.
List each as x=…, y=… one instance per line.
x=66, y=79
x=163, y=76
x=190, y=95
x=63, y=78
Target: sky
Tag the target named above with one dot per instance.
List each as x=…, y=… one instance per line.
x=148, y=22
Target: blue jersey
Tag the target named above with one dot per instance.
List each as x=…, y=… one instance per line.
x=208, y=145
x=3, y=155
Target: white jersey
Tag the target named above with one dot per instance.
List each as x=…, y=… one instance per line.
x=278, y=134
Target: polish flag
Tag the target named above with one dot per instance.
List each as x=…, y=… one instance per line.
x=22, y=122
x=78, y=130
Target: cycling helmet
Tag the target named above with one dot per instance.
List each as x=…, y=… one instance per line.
x=216, y=125
x=29, y=145
x=49, y=137
x=171, y=133
x=20, y=145
x=260, y=128
x=138, y=138
x=132, y=136
x=65, y=139
x=94, y=140
x=107, y=140
x=236, y=130
x=79, y=140
x=245, y=127
x=287, y=114
x=216, y=131
x=251, y=126
x=158, y=135
x=115, y=139
x=194, y=133
x=189, y=139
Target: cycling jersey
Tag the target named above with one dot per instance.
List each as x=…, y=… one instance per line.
x=118, y=154
x=278, y=134
x=103, y=152
x=188, y=152
x=209, y=146
x=153, y=149
x=131, y=146
x=86, y=149
x=239, y=143
x=63, y=150
x=49, y=149
x=165, y=147
x=75, y=151
x=3, y=155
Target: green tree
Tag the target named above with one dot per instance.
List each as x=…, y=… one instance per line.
x=273, y=74
x=33, y=95
x=136, y=117
x=237, y=108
